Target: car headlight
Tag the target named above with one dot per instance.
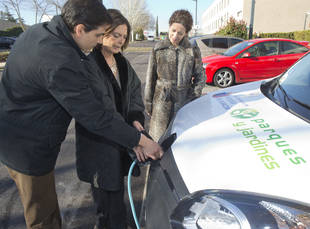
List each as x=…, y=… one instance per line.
x=204, y=65
x=214, y=209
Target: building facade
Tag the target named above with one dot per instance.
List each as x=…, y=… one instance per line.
x=269, y=15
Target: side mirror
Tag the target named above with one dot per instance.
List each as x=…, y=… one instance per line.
x=246, y=55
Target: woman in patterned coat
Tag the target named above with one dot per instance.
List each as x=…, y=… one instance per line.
x=175, y=74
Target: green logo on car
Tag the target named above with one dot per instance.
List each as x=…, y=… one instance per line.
x=244, y=113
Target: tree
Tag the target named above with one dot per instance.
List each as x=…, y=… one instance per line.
x=136, y=13
x=151, y=25
x=41, y=8
x=156, y=27
x=58, y=4
x=7, y=15
x=234, y=28
x=15, y=5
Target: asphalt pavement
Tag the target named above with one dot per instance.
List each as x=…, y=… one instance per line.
x=73, y=195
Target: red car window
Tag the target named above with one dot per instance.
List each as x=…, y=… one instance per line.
x=292, y=48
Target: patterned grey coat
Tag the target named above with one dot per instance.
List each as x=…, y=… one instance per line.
x=174, y=77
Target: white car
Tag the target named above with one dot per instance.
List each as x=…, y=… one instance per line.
x=150, y=38
x=240, y=160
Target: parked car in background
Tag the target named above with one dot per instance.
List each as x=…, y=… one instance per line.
x=150, y=38
x=212, y=44
x=7, y=42
x=253, y=60
x=240, y=160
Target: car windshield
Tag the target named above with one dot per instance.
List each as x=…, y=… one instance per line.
x=296, y=82
x=237, y=48
x=292, y=89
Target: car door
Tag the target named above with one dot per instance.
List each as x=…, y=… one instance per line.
x=260, y=64
x=290, y=52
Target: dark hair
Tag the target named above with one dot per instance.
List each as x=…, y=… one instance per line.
x=117, y=20
x=183, y=17
x=90, y=13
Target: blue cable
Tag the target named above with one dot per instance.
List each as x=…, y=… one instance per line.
x=130, y=194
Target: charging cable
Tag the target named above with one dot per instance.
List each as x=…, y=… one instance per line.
x=165, y=146
x=130, y=194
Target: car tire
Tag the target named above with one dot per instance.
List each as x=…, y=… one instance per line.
x=223, y=78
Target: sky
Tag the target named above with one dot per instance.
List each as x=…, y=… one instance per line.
x=164, y=8
x=161, y=8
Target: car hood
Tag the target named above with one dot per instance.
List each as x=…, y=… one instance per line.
x=209, y=59
x=237, y=139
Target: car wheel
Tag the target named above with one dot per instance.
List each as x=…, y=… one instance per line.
x=224, y=78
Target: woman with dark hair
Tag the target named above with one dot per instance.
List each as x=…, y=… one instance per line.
x=100, y=162
x=175, y=74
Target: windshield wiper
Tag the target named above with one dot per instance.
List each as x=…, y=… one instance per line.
x=286, y=97
x=302, y=104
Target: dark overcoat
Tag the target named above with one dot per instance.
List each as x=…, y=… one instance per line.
x=100, y=161
x=174, y=77
x=46, y=82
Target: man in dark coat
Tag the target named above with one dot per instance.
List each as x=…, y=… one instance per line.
x=45, y=83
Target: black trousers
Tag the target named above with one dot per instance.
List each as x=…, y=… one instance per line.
x=111, y=209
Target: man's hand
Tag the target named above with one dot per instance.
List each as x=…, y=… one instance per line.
x=139, y=153
x=150, y=148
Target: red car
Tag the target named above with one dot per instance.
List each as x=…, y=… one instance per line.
x=253, y=60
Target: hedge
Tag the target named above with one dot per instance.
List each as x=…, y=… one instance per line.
x=4, y=56
x=297, y=35
x=12, y=32
x=302, y=35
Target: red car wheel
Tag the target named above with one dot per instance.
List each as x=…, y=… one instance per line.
x=224, y=78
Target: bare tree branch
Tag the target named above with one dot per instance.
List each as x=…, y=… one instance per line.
x=41, y=8
x=136, y=13
x=16, y=6
x=57, y=4
x=151, y=25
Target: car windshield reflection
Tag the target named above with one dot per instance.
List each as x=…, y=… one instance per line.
x=296, y=81
x=237, y=48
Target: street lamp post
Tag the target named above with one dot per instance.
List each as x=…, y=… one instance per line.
x=251, y=20
x=196, y=23
x=306, y=15
x=196, y=12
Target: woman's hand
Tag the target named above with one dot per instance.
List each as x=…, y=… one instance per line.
x=138, y=125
